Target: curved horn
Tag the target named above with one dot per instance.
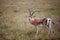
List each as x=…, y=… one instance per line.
x=29, y=12
x=34, y=12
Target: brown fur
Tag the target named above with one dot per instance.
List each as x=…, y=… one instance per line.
x=37, y=21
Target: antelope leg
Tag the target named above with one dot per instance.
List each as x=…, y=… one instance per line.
x=36, y=32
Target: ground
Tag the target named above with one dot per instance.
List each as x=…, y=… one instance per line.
x=14, y=24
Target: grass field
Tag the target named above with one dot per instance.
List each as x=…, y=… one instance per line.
x=14, y=24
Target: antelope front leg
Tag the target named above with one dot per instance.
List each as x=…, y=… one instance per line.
x=36, y=32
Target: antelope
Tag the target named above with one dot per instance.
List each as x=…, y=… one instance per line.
x=40, y=22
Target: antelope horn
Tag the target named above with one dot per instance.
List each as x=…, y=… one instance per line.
x=34, y=12
x=29, y=12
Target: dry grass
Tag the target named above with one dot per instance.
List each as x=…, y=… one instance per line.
x=14, y=23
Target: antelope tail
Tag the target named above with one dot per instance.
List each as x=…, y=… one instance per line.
x=53, y=22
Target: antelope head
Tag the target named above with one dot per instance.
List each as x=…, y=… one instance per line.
x=31, y=13
x=31, y=17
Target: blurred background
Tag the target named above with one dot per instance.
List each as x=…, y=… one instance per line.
x=14, y=24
